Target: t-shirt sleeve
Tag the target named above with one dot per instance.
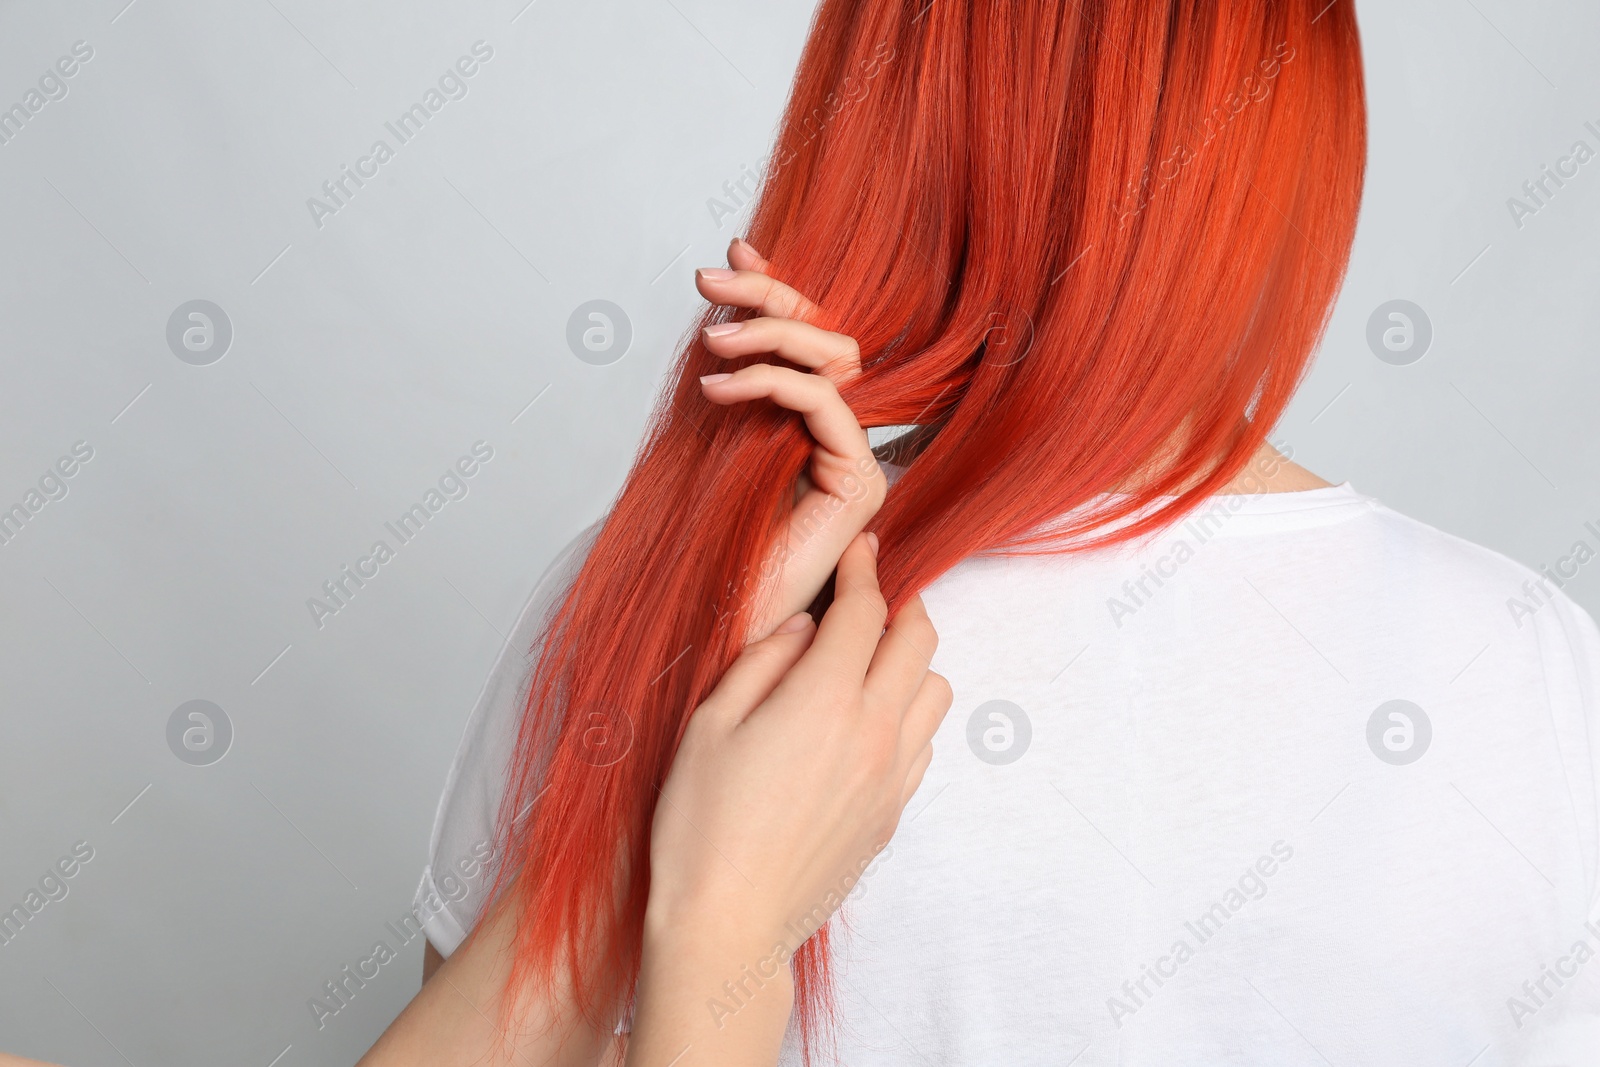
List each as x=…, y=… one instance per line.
x=1566, y=1029
x=461, y=849
x=1572, y=666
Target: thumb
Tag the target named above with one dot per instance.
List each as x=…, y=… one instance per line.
x=759, y=669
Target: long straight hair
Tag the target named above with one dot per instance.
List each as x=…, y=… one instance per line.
x=1093, y=242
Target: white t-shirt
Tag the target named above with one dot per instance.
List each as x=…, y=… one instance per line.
x=1300, y=781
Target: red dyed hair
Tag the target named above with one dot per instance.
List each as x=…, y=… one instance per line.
x=1094, y=241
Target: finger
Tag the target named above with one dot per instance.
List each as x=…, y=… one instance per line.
x=840, y=491
x=752, y=289
x=814, y=396
x=743, y=256
x=758, y=670
x=928, y=709
x=901, y=660
x=823, y=523
x=919, y=767
x=798, y=342
x=849, y=631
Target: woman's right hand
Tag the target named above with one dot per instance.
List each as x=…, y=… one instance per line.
x=790, y=778
x=843, y=486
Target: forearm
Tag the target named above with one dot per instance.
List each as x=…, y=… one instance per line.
x=708, y=995
x=457, y=1017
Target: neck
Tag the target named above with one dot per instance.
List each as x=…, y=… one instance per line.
x=1269, y=471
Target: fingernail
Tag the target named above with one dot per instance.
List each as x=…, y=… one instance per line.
x=750, y=247
x=872, y=543
x=794, y=623
x=717, y=274
x=722, y=329
x=713, y=379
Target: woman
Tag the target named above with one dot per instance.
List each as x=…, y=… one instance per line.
x=1246, y=767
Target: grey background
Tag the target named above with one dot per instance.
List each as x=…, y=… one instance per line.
x=429, y=313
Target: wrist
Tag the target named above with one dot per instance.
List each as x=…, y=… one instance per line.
x=720, y=974
x=706, y=911
x=715, y=979
x=702, y=931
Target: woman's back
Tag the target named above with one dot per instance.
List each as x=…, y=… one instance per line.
x=1211, y=836
x=1220, y=791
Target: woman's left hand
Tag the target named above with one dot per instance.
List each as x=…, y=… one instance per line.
x=843, y=487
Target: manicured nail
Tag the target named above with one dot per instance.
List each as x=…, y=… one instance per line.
x=795, y=623
x=717, y=274
x=723, y=329
x=713, y=379
x=872, y=543
x=748, y=247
